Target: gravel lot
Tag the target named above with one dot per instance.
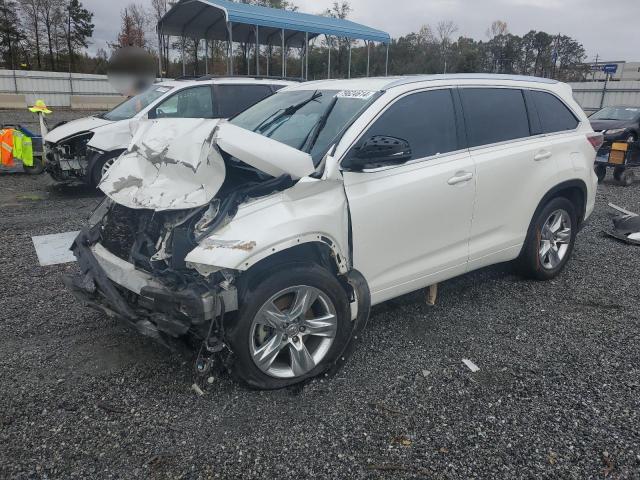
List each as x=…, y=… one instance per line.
x=557, y=394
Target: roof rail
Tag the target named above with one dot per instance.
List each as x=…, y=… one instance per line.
x=407, y=79
x=250, y=77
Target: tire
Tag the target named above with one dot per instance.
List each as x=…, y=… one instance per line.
x=601, y=172
x=99, y=168
x=532, y=262
x=37, y=168
x=248, y=333
x=627, y=177
x=617, y=173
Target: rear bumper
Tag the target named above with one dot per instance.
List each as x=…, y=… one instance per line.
x=116, y=288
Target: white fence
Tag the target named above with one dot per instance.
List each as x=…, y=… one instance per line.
x=592, y=96
x=55, y=88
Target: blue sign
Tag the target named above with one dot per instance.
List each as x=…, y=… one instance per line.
x=610, y=68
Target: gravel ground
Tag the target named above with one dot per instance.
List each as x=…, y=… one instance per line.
x=557, y=394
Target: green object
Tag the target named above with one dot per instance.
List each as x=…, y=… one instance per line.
x=22, y=148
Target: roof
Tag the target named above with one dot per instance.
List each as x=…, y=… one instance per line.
x=384, y=83
x=207, y=18
x=225, y=80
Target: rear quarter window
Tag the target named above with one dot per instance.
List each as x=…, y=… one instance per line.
x=235, y=98
x=494, y=115
x=554, y=115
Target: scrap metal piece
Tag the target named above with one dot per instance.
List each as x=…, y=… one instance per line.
x=626, y=227
x=472, y=366
x=55, y=248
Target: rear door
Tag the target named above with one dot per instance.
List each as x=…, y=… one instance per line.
x=410, y=222
x=514, y=168
x=233, y=98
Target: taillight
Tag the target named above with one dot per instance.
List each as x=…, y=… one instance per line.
x=596, y=139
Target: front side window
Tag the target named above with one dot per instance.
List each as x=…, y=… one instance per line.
x=494, y=115
x=554, y=115
x=235, y=98
x=193, y=102
x=308, y=120
x=129, y=108
x=426, y=120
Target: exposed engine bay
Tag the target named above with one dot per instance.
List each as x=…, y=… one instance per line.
x=67, y=160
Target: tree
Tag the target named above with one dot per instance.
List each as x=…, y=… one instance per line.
x=10, y=35
x=33, y=23
x=78, y=29
x=445, y=30
x=134, y=25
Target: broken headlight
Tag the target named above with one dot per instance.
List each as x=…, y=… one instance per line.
x=99, y=212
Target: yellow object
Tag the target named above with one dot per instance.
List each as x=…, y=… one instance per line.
x=620, y=146
x=39, y=106
x=22, y=148
x=6, y=147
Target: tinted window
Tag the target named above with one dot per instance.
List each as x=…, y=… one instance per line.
x=426, y=120
x=554, y=115
x=233, y=99
x=494, y=115
x=196, y=102
x=133, y=105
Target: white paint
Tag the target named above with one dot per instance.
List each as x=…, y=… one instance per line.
x=54, y=249
x=122, y=272
x=472, y=366
x=263, y=153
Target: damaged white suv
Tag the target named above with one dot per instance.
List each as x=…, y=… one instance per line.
x=269, y=237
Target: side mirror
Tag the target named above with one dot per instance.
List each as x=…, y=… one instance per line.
x=378, y=150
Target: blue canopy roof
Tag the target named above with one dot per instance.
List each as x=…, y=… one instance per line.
x=208, y=19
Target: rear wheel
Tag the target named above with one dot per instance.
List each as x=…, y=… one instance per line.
x=550, y=240
x=291, y=326
x=601, y=172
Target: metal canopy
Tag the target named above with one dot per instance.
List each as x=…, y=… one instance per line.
x=209, y=19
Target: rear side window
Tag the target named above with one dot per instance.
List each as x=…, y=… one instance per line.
x=425, y=119
x=494, y=115
x=233, y=99
x=554, y=115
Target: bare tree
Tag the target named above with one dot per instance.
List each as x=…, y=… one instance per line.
x=445, y=30
x=498, y=27
x=32, y=19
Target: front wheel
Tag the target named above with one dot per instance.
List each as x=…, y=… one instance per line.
x=550, y=240
x=100, y=169
x=293, y=325
x=37, y=168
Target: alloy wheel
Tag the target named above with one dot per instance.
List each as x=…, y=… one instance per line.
x=555, y=238
x=106, y=166
x=293, y=332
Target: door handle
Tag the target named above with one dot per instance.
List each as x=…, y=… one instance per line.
x=460, y=177
x=542, y=155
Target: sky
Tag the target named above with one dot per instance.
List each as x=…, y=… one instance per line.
x=608, y=29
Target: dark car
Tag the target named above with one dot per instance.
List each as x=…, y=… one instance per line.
x=617, y=124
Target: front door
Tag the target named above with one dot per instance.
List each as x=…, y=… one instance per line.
x=411, y=222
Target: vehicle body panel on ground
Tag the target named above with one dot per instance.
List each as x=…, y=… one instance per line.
x=397, y=199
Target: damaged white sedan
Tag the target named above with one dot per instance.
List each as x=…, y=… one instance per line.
x=269, y=237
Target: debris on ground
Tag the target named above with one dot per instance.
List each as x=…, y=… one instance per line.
x=54, y=249
x=472, y=366
x=626, y=226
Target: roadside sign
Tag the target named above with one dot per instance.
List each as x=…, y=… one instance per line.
x=610, y=68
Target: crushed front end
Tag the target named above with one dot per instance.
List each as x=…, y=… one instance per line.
x=68, y=159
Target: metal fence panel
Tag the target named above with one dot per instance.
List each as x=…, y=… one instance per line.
x=591, y=96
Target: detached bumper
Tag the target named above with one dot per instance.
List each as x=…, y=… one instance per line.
x=116, y=288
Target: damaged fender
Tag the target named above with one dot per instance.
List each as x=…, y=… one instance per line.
x=310, y=211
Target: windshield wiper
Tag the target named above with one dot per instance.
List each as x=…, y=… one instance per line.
x=312, y=138
x=290, y=110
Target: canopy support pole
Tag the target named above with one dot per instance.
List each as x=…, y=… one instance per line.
x=184, y=66
x=306, y=56
x=206, y=56
x=230, y=48
x=159, y=52
x=349, y=73
x=257, y=51
x=368, y=55
x=302, y=62
x=386, y=63
x=329, y=57
x=284, y=57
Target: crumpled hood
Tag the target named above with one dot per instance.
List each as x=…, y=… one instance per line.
x=169, y=165
x=85, y=124
x=174, y=164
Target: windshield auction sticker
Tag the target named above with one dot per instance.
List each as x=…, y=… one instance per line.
x=355, y=94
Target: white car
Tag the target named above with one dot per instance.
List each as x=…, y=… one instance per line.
x=269, y=238
x=81, y=151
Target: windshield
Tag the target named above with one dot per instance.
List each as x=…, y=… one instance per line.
x=305, y=119
x=133, y=105
x=617, y=113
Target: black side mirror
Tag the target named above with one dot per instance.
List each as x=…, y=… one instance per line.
x=378, y=150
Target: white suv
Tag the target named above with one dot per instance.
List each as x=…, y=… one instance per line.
x=82, y=150
x=269, y=239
